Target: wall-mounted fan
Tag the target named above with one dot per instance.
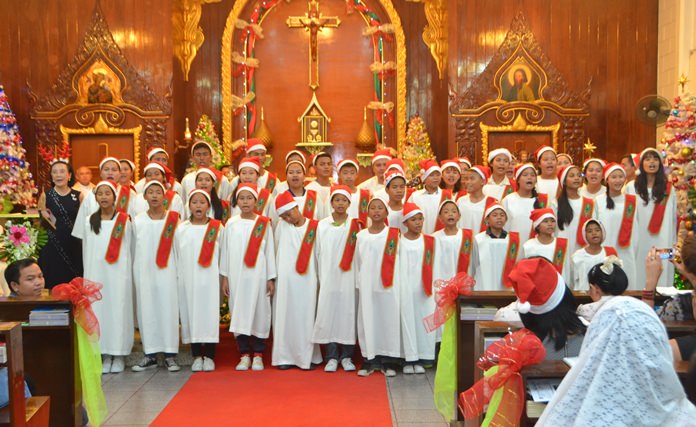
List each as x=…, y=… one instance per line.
x=653, y=110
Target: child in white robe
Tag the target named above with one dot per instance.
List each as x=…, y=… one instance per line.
x=290, y=156
x=198, y=256
x=309, y=203
x=335, y=248
x=448, y=244
x=395, y=187
x=249, y=174
x=475, y=202
x=359, y=197
x=589, y=256
x=295, y=299
x=554, y=249
x=495, y=251
x=248, y=273
x=592, y=171
x=428, y=199
x=106, y=248
x=379, y=321
x=323, y=165
x=160, y=155
x=523, y=201
x=414, y=275
x=547, y=162
x=499, y=185
x=172, y=201
x=155, y=277
x=572, y=209
x=379, y=166
x=202, y=157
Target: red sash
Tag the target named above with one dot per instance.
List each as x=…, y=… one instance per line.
x=626, y=229
x=271, y=182
x=362, y=206
x=428, y=259
x=168, y=197
x=559, y=254
x=465, y=251
x=167, y=239
x=310, y=204
x=446, y=195
x=225, y=210
x=255, y=240
x=489, y=201
x=389, y=257
x=264, y=195
x=123, y=199
x=586, y=211
x=659, y=212
x=306, y=248
x=509, y=189
x=510, y=256
x=205, y=258
x=543, y=199
x=609, y=251
x=114, y=249
x=349, y=249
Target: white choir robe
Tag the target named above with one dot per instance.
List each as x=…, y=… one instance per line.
x=418, y=343
x=611, y=219
x=382, y=194
x=371, y=184
x=322, y=192
x=89, y=205
x=379, y=319
x=488, y=262
x=115, y=310
x=224, y=188
x=267, y=210
x=446, y=260
x=533, y=247
x=666, y=238
x=585, y=193
x=335, y=322
x=354, y=207
x=199, y=287
x=250, y=306
x=581, y=264
x=496, y=190
x=156, y=289
x=140, y=186
x=140, y=205
x=294, y=302
x=394, y=219
x=548, y=186
x=429, y=203
x=321, y=209
x=263, y=180
x=518, y=210
x=471, y=213
x=570, y=231
x=280, y=187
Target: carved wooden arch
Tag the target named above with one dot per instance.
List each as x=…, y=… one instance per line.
x=483, y=104
x=65, y=106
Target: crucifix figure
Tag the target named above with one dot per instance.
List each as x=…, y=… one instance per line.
x=313, y=22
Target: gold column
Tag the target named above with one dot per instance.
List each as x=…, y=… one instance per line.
x=435, y=33
x=188, y=37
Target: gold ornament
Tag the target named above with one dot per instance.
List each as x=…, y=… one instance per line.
x=589, y=148
x=365, y=140
x=689, y=224
x=683, y=80
x=264, y=133
x=680, y=172
x=686, y=152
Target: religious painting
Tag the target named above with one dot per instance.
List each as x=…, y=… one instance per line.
x=99, y=84
x=519, y=82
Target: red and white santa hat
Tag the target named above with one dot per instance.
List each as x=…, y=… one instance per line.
x=296, y=162
x=251, y=188
x=130, y=163
x=396, y=164
x=646, y=151
x=391, y=174
x=523, y=167
x=450, y=163
x=106, y=160
x=211, y=172
x=318, y=156
x=541, y=150
x=156, y=150
x=594, y=221
x=601, y=162
x=492, y=206
x=377, y=199
x=483, y=171
x=250, y=162
x=383, y=154
x=427, y=167
x=538, y=286
x=255, y=144
x=154, y=165
x=109, y=184
x=151, y=183
x=611, y=167
x=298, y=153
x=539, y=215
x=346, y=162
x=198, y=191
x=284, y=202
x=343, y=190
x=570, y=159
x=199, y=143
x=497, y=152
x=563, y=173
x=444, y=202
x=464, y=160
x=410, y=210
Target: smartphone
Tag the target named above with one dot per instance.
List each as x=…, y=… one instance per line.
x=666, y=253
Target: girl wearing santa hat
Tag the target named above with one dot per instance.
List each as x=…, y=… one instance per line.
x=248, y=173
x=592, y=254
x=311, y=205
x=429, y=198
x=207, y=179
x=452, y=178
x=499, y=185
x=592, y=171
x=522, y=202
x=547, y=162
x=475, y=202
x=160, y=155
x=495, y=251
x=572, y=209
x=172, y=201
x=464, y=165
x=545, y=244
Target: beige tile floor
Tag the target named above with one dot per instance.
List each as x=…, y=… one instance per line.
x=136, y=398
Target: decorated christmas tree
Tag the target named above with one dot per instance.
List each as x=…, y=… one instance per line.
x=205, y=131
x=16, y=183
x=416, y=147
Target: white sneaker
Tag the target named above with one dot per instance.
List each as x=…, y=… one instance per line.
x=208, y=365
x=331, y=365
x=171, y=364
x=243, y=364
x=408, y=369
x=347, y=364
x=389, y=372
x=257, y=364
x=106, y=364
x=118, y=365
x=418, y=369
x=197, y=365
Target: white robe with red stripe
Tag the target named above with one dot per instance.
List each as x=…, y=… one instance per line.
x=429, y=203
x=582, y=263
x=471, y=213
x=534, y=247
x=518, y=210
x=611, y=219
x=488, y=262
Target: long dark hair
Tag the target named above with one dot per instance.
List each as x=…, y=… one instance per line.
x=95, y=221
x=216, y=204
x=72, y=179
x=564, y=212
x=535, y=195
x=457, y=185
x=610, y=201
x=558, y=323
x=659, y=190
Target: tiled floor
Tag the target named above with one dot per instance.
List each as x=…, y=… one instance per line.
x=136, y=398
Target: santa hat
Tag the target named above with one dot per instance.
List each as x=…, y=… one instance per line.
x=297, y=152
x=198, y=191
x=646, y=151
x=541, y=150
x=565, y=155
x=383, y=154
x=394, y=173
x=318, y=156
x=464, y=160
x=255, y=144
x=410, y=210
x=497, y=152
x=151, y=183
x=483, y=171
x=601, y=162
x=211, y=172
x=250, y=162
x=523, y=167
x=252, y=188
x=346, y=162
x=154, y=165
x=595, y=221
x=451, y=163
x=444, y=202
x=156, y=150
x=105, y=160
x=427, y=167
x=340, y=189
x=200, y=143
x=563, y=173
x=295, y=162
x=109, y=184
x=611, y=167
x=373, y=199
x=396, y=164
x=130, y=163
x=635, y=158
x=539, y=215
x=491, y=206
x=538, y=286
x=284, y=202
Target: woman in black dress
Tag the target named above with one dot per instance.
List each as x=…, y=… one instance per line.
x=61, y=258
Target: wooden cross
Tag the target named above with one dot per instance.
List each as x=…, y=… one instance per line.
x=313, y=22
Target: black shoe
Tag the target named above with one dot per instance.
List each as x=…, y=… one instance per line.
x=284, y=367
x=144, y=364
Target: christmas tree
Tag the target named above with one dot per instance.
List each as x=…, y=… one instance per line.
x=205, y=131
x=16, y=183
x=416, y=147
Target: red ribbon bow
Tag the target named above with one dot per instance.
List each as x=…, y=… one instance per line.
x=446, y=294
x=82, y=293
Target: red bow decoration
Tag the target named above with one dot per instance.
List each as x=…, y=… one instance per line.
x=82, y=293
x=511, y=354
x=446, y=294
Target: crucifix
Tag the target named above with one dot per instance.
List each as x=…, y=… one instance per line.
x=313, y=22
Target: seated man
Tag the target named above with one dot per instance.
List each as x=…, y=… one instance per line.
x=25, y=278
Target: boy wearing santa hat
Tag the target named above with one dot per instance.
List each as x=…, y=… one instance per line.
x=429, y=198
x=495, y=251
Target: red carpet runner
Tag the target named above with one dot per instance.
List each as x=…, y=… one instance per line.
x=272, y=397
